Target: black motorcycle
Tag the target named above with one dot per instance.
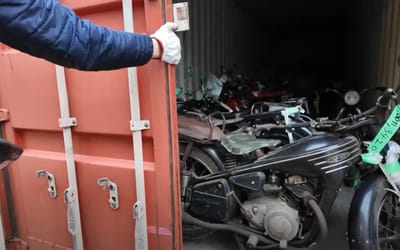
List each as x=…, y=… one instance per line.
x=375, y=209
x=271, y=194
x=339, y=103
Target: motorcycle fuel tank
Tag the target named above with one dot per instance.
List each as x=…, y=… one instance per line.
x=311, y=156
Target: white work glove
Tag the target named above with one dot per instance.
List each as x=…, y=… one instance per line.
x=169, y=43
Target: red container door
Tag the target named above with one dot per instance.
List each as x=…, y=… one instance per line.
x=102, y=143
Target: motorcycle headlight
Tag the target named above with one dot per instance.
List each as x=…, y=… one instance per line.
x=351, y=97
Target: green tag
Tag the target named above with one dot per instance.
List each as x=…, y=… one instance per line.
x=390, y=127
x=392, y=168
x=371, y=158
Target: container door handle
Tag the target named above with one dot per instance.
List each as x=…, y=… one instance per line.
x=113, y=191
x=51, y=180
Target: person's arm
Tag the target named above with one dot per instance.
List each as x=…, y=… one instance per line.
x=50, y=30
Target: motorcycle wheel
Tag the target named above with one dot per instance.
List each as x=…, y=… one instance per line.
x=388, y=222
x=380, y=220
x=200, y=164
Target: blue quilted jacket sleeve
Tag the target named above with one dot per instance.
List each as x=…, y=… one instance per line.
x=48, y=29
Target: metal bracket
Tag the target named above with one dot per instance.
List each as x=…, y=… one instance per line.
x=140, y=125
x=67, y=122
x=51, y=180
x=113, y=190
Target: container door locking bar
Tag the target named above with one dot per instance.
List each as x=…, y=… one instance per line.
x=139, y=209
x=71, y=193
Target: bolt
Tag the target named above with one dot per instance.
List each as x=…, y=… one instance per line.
x=219, y=186
x=255, y=209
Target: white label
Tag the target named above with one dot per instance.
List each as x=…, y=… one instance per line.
x=181, y=15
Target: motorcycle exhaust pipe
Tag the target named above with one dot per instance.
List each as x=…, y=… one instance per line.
x=187, y=218
x=314, y=235
x=321, y=219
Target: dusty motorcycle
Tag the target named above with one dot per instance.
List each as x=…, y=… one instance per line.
x=375, y=208
x=338, y=103
x=271, y=194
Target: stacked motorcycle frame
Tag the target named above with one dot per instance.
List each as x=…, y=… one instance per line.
x=271, y=173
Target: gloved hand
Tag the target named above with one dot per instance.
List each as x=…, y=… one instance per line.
x=169, y=43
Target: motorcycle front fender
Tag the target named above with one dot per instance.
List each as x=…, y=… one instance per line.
x=363, y=210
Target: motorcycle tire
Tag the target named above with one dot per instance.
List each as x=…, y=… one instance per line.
x=197, y=156
x=378, y=222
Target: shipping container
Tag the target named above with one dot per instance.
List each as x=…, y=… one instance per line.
x=297, y=44
x=103, y=152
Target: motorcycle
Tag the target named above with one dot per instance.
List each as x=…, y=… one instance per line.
x=253, y=186
x=375, y=208
x=271, y=194
x=339, y=103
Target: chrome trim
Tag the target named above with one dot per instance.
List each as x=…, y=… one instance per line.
x=339, y=163
x=333, y=153
x=336, y=169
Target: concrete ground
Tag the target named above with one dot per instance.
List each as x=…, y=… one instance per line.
x=337, y=223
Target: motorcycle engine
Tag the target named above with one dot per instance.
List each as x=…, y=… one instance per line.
x=279, y=220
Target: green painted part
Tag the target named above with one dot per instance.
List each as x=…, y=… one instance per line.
x=178, y=91
x=291, y=110
x=203, y=80
x=390, y=127
x=392, y=168
x=190, y=71
x=357, y=179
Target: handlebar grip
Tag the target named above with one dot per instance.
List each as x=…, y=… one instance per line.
x=385, y=99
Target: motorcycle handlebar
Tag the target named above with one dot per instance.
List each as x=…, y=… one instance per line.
x=336, y=125
x=342, y=125
x=263, y=115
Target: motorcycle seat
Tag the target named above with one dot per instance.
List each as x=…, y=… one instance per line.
x=199, y=130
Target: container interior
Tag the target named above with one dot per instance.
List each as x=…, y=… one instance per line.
x=301, y=45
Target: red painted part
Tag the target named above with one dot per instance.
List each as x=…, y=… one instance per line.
x=260, y=94
x=102, y=142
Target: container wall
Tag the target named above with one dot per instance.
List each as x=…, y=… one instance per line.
x=221, y=34
x=365, y=23
x=389, y=67
x=102, y=143
x=326, y=42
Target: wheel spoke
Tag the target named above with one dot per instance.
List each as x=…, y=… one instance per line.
x=388, y=234
x=390, y=238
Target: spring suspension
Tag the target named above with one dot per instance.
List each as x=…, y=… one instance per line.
x=230, y=160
